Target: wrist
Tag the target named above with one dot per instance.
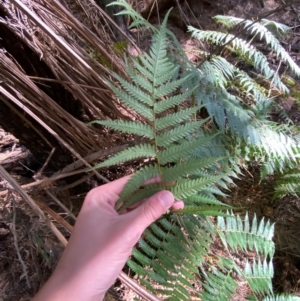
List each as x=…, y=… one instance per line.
x=60, y=288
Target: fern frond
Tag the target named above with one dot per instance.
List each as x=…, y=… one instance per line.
x=137, y=179
x=130, y=127
x=178, y=132
x=171, y=102
x=261, y=29
x=132, y=103
x=176, y=152
x=259, y=276
x=196, y=160
x=282, y=298
x=186, y=188
x=236, y=233
x=204, y=199
x=256, y=58
x=187, y=168
x=219, y=285
x=175, y=118
x=135, y=152
x=138, y=20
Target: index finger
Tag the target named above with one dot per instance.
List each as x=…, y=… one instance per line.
x=115, y=186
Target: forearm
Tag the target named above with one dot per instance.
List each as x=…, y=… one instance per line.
x=62, y=288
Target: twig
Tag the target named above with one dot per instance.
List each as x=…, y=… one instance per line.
x=293, y=9
x=49, y=180
x=32, y=204
x=65, y=82
x=50, y=130
x=137, y=288
x=83, y=179
x=59, y=203
x=56, y=216
x=68, y=170
x=47, y=161
x=16, y=243
x=92, y=157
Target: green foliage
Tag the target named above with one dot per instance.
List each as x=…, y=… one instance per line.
x=196, y=158
x=155, y=89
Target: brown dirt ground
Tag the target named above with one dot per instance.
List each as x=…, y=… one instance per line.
x=21, y=231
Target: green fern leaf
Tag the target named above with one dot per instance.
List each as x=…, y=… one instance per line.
x=176, y=152
x=179, y=132
x=132, y=103
x=130, y=127
x=139, y=195
x=205, y=200
x=134, y=91
x=204, y=210
x=189, y=187
x=138, y=151
x=282, y=298
x=170, y=102
x=137, y=179
x=175, y=118
x=187, y=168
x=234, y=233
x=259, y=276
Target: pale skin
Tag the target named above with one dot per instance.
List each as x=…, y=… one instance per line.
x=101, y=242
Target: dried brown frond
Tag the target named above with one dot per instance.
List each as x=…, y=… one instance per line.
x=50, y=48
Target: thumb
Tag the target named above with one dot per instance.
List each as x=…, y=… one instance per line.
x=152, y=209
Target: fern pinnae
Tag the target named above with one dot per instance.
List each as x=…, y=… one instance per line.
x=175, y=118
x=189, y=187
x=135, y=152
x=260, y=28
x=259, y=276
x=169, y=72
x=216, y=210
x=142, y=70
x=169, y=87
x=205, y=200
x=178, y=132
x=176, y=152
x=134, y=91
x=139, y=195
x=142, y=81
x=187, y=168
x=137, y=180
x=142, y=109
x=170, y=102
x=136, y=128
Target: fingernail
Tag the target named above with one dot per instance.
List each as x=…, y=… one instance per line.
x=166, y=198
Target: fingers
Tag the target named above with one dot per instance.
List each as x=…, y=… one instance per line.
x=150, y=210
x=177, y=205
x=115, y=186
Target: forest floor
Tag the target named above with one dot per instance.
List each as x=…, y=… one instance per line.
x=21, y=233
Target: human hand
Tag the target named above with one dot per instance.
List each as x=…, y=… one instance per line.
x=101, y=242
